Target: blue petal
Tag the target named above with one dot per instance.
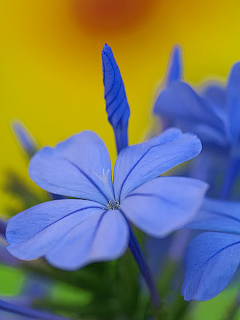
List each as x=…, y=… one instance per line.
x=217, y=215
x=233, y=101
x=210, y=262
x=208, y=166
x=33, y=233
x=164, y=204
x=140, y=163
x=77, y=167
x=209, y=135
x=216, y=94
x=181, y=103
x=175, y=65
x=116, y=101
x=102, y=237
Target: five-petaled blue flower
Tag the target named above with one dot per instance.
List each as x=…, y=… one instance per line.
x=71, y=233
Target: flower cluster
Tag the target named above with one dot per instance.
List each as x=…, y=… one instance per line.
x=212, y=258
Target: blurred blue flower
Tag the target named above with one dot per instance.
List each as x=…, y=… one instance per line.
x=29, y=313
x=199, y=114
x=117, y=107
x=213, y=257
x=34, y=289
x=214, y=117
x=71, y=233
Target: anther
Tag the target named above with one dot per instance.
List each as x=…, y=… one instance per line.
x=113, y=205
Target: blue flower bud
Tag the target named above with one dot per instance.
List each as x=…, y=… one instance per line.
x=24, y=138
x=116, y=101
x=175, y=66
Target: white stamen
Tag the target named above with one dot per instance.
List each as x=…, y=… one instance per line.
x=104, y=178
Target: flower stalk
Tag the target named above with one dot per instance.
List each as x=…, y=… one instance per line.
x=143, y=266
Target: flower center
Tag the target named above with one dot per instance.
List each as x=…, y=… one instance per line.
x=113, y=205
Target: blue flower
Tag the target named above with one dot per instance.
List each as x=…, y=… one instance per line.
x=213, y=257
x=213, y=115
x=71, y=233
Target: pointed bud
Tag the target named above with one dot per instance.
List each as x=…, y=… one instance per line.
x=24, y=138
x=175, y=65
x=116, y=101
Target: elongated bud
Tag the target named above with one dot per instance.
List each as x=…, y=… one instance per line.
x=174, y=73
x=29, y=145
x=24, y=138
x=117, y=107
x=175, y=65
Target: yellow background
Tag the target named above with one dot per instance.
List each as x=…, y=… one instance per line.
x=50, y=62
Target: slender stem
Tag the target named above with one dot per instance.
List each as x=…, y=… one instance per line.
x=27, y=312
x=143, y=266
x=234, y=308
x=232, y=312
x=121, y=137
x=230, y=177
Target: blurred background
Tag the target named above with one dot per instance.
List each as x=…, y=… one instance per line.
x=51, y=69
